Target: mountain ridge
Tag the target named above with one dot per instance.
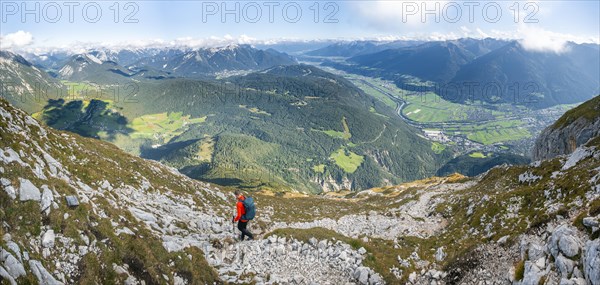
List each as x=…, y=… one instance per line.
x=487, y=70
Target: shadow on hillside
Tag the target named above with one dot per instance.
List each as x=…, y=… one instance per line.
x=95, y=120
x=165, y=151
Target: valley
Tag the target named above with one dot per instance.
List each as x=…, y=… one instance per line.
x=281, y=123
x=502, y=128
x=317, y=125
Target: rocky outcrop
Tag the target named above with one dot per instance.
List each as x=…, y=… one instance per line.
x=574, y=129
x=591, y=261
x=329, y=184
x=279, y=260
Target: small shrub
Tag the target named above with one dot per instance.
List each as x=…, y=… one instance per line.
x=578, y=222
x=594, y=208
x=520, y=270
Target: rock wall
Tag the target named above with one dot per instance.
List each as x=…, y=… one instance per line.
x=555, y=141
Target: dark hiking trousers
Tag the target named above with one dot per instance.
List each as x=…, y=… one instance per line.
x=245, y=232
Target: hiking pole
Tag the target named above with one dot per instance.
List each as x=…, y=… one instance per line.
x=233, y=224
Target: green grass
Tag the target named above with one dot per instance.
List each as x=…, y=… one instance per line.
x=492, y=132
x=589, y=110
x=375, y=94
x=430, y=107
x=347, y=160
x=437, y=147
x=162, y=127
x=501, y=135
x=594, y=208
x=335, y=134
x=345, y=135
x=254, y=110
x=82, y=90
x=477, y=154
x=206, y=150
x=520, y=270
x=319, y=168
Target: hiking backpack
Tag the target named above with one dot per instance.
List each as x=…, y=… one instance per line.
x=250, y=209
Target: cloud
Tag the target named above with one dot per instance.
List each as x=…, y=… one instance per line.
x=482, y=34
x=537, y=39
x=178, y=43
x=16, y=40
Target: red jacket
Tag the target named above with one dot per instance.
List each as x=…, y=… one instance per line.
x=241, y=210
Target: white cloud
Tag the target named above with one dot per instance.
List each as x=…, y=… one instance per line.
x=537, y=39
x=184, y=43
x=16, y=40
x=482, y=34
x=465, y=31
x=530, y=38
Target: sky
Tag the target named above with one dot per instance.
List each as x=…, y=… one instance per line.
x=38, y=25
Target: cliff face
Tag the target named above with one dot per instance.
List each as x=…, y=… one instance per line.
x=572, y=130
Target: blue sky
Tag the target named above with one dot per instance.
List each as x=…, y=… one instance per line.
x=198, y=23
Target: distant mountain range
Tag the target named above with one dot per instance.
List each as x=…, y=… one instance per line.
x=467, y=70
x=353, y=48
x=211, y=60
x=436, y=61
x=539, y=79
x=89, y=67
x=262, y=124
x=22, y=83
x=159, y=62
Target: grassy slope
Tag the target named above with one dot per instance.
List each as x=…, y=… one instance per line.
x=143, y=252
x=489, y=221
x=590, y=110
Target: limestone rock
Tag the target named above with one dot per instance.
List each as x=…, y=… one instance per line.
x=564, y=239
x=47, y=199
x=42, y=275
x=558, y=141
x=48, y=239
x=28, y=191
x=591, y=262
x=564, y=265
x=12, y=265
x=591, y=222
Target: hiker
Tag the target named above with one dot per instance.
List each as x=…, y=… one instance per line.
x=245, y=213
